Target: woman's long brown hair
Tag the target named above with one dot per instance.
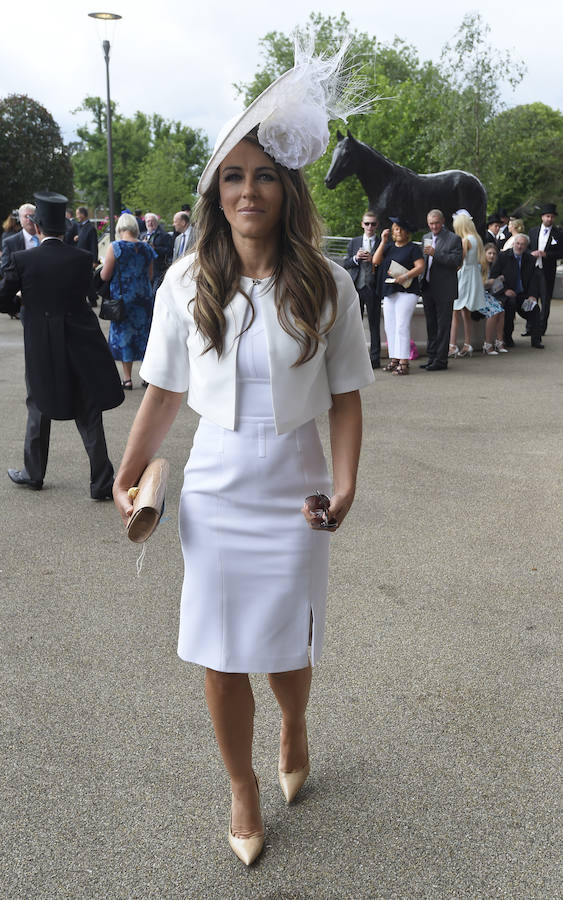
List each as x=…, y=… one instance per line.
x=303, y=282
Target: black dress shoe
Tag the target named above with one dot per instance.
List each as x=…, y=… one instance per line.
x=437, y=366
x=19, y=478
x=537, y=343
x=508, y=342
x=103, y=495
x=426, y=364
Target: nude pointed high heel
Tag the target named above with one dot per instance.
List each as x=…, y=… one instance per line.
x=292, y=782
x=247, y=849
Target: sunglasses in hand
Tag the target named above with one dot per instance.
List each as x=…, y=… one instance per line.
x=318, y=506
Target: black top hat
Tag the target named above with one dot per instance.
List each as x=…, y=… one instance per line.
x=402, y=223
x=548, y=208
x=493, y=218
x=50, y=211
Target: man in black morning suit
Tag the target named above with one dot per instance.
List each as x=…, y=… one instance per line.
x=444, y=255
x=546, y=245
x=521, y=282
x=358, y=264
x=70, y=373
x=86, y=238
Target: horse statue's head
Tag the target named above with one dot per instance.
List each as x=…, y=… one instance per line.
x=343, y=160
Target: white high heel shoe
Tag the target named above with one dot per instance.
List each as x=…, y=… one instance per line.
x=453, y=351
x=488, y=350
x=466, y=350
x=499, y=347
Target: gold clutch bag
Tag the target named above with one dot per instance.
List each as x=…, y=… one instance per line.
x=148, y=501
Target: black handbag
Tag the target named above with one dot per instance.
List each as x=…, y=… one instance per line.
x=112, y=308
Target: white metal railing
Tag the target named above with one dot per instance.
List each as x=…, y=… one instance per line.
x=333, y=245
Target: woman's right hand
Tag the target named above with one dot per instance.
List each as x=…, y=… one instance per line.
x=385, y=235
x=123, y=502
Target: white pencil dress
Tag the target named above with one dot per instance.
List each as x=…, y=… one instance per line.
x=255, y=573
x=255, y=579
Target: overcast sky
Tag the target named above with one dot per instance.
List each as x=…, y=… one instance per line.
x=179, y=58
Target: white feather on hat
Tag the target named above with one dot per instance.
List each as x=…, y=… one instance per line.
x=294, y=111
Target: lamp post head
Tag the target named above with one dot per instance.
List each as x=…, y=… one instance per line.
x=105, y=16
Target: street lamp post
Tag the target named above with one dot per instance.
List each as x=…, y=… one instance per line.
x=108, y=17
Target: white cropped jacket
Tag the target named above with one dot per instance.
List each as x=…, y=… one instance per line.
x=174, y=359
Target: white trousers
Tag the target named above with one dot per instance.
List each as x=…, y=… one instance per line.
x=398, y=309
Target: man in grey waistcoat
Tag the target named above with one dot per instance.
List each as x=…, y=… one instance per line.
x=358, y=264
x=444, y=255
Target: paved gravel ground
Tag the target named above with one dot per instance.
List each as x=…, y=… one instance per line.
x=433, y=718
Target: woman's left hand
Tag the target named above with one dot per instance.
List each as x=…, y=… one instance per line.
x=335, y=515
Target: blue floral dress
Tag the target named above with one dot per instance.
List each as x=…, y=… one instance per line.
x=130, y=280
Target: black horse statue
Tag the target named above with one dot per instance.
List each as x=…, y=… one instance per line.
x=394, y=190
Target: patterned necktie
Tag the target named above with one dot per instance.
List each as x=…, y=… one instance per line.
x=182, y=245
x=35, y=240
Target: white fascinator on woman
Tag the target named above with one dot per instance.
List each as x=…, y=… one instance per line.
x=293, y=113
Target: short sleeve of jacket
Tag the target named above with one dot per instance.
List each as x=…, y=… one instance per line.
x=166, y=363
x=347, y=357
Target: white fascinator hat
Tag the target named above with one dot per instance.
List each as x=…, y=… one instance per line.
x=463, y=212
x=294, y=111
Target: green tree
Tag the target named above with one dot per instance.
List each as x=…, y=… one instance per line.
x=156, y=163
x=131, y=142
x=525, y=152
x=471, y=66
x=33, y=155
x=168, y=175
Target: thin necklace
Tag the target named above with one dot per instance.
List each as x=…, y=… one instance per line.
x=258, y=280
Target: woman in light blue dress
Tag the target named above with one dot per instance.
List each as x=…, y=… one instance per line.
x=470, y=282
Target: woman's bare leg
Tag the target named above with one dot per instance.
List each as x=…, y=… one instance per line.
x=231, y=704
x=291, y=690
x=466, y=318
x=127, y=370
x=490, y=330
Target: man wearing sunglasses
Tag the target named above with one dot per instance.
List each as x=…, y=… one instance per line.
x=358, y=263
